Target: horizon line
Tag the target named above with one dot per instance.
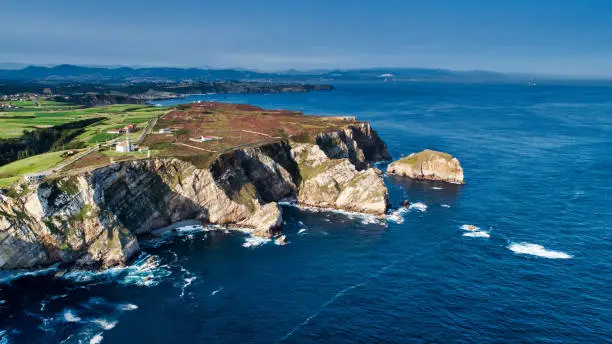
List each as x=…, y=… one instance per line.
x=22, y=66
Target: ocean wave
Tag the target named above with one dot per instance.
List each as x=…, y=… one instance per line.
x=70, y=316
x=254, y=241
x=127, y=307
x=4, y=337
x=216, y=291
x=302, y=231
x=445, y=205
x=397, y=216
x=7, y=277
x=365, y=218
x=418, y=206
x=145, y=271
x=46, y=301
x=477, y=234
x=187, y=282
x=537, y=250
x=105, y=324
x=437, y=188
x=97, y=339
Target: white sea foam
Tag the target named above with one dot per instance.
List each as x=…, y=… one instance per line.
x=186, y=230
x=46, y=301
x=145, y=271
x=418, y=206
x=537, y=250
x=477, y=234
x=445, y=205
x=302, y=231
x=437, y=188
x=4, y=337
x=127, y=307
x=397, y=216
x=97, y=339
x=187, y=283
x=216, y=291
x=470, y=228
x=70, y=316
x=105, y=324
x=9, y=276
x=254, y=241
x=351, y=215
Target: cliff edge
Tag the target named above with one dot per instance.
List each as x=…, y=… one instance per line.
x=93, y=218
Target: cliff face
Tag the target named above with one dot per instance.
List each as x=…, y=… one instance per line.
x=429, y=165
x=93, y=219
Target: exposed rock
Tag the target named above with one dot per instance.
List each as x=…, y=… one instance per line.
x=336, y=183
x=428, y=165
x=281, y=240
x=93, y=219
x=359, y=143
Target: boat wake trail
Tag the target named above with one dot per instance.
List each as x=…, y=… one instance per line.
x=338, y=295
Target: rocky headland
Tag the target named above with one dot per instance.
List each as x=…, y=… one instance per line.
x=94, y=218
x=428, y=165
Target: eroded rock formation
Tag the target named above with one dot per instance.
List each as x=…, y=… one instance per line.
x=428, y=165
x=93, y=219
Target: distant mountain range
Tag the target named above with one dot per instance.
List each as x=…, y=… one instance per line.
x=63, y=73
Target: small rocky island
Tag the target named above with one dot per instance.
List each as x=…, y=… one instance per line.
x=428, y=165
x=222, y=164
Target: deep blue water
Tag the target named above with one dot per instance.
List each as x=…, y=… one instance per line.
x=538, y=166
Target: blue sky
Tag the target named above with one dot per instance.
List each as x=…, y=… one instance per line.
x=565, y=37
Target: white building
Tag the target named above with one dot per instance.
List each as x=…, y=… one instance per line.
x=125, y=146
x=35, y=177
x=165, y=131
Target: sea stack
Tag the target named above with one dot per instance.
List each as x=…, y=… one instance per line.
x=429, y=165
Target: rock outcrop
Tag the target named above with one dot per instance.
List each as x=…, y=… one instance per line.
x=93, y=219
x=428, y=165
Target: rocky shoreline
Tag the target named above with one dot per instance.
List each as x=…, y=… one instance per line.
x=94, y=219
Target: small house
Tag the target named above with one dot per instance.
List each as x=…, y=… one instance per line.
x=124, y=146
x=35, y=177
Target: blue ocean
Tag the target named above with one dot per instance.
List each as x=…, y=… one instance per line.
x=538, y=168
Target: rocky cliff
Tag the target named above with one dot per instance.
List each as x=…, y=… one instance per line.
x=429, y=165
x=93, y=219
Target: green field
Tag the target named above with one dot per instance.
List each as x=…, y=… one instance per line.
x=13, y=123
x=12, y=172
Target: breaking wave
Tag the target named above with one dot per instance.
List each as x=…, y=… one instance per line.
x=145, y=271
x=9, y=276
x=3, y=337
x=365, y=218
x=70, y=316
x=418, y=206
x=397, y=216
x=97, y=339
x=254, y=241
x=477, y=234
x=105, y=324
x=127, y=307
x=537, y=250
x=216, y=291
